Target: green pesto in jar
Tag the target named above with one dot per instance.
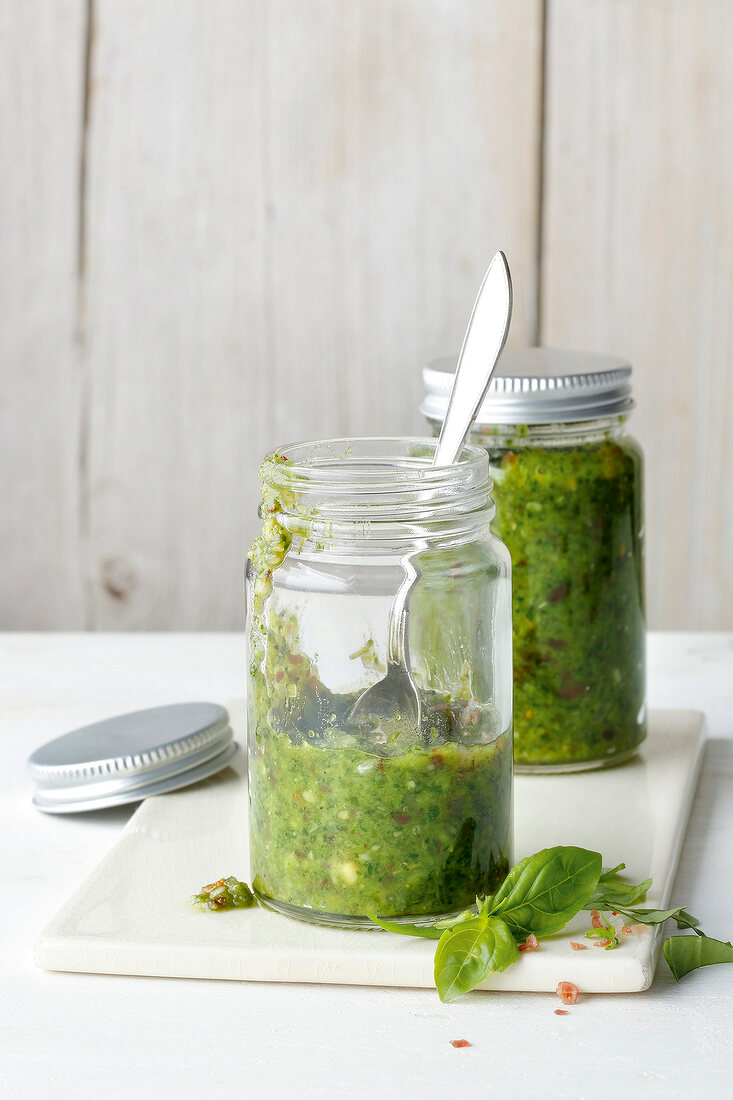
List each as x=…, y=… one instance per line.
x=570, y=512
x=347, y=832
x=350, y=823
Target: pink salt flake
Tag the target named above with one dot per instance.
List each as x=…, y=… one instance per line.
x=626, y=931
x=595, y=919
x=567, y=992
x=601, y=943
x=530, y=944
x=578, y=946
x=637, y=929
x=561, y=1012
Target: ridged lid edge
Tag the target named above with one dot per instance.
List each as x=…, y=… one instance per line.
x=129, y=764
x=539, y=385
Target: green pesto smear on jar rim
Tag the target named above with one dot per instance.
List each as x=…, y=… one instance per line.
x=274, y=540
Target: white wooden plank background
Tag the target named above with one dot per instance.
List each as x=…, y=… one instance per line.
x=285, y=208
x=638, y=258
x=290, y=205
x=41, y=79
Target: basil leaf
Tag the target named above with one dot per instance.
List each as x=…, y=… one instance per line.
x=651, y=916
x=468, y=953
x=425, y=931
x=659, y=916
x=686, y=953
x=543, y=892
x=449, y=922
x=483, y=905
x=686, y=920
x=612, y=892
x=611, y=872
x=605, y=932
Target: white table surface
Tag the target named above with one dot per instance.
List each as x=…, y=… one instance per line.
x=64, y=1035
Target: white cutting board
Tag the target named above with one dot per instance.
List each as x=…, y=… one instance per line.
x=132, y=915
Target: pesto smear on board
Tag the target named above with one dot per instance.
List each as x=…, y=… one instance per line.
x=357, y=820
x=571, y=517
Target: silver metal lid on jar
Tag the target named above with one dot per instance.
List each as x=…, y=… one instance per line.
x=131, y=756
x=539, y=386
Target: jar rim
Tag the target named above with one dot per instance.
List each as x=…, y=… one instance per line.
x=387, y=482
x=373, y=464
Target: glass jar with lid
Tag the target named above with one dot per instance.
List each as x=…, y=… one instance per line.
x=354, y=818
x=568, y=492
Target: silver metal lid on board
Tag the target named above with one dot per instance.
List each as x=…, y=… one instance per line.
x=131, y=756
x=539, y=386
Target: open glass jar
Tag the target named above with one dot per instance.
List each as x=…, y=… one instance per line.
x=568, y=491
x=354, y=819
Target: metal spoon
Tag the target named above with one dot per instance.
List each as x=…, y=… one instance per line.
x=395, y=700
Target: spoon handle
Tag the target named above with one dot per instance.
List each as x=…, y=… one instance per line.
x=482, y=345
x=398, y=650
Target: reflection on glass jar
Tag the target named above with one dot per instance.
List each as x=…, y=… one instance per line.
x=354, y=818
x=568, y=491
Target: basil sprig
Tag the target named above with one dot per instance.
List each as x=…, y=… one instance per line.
x=538, y=897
